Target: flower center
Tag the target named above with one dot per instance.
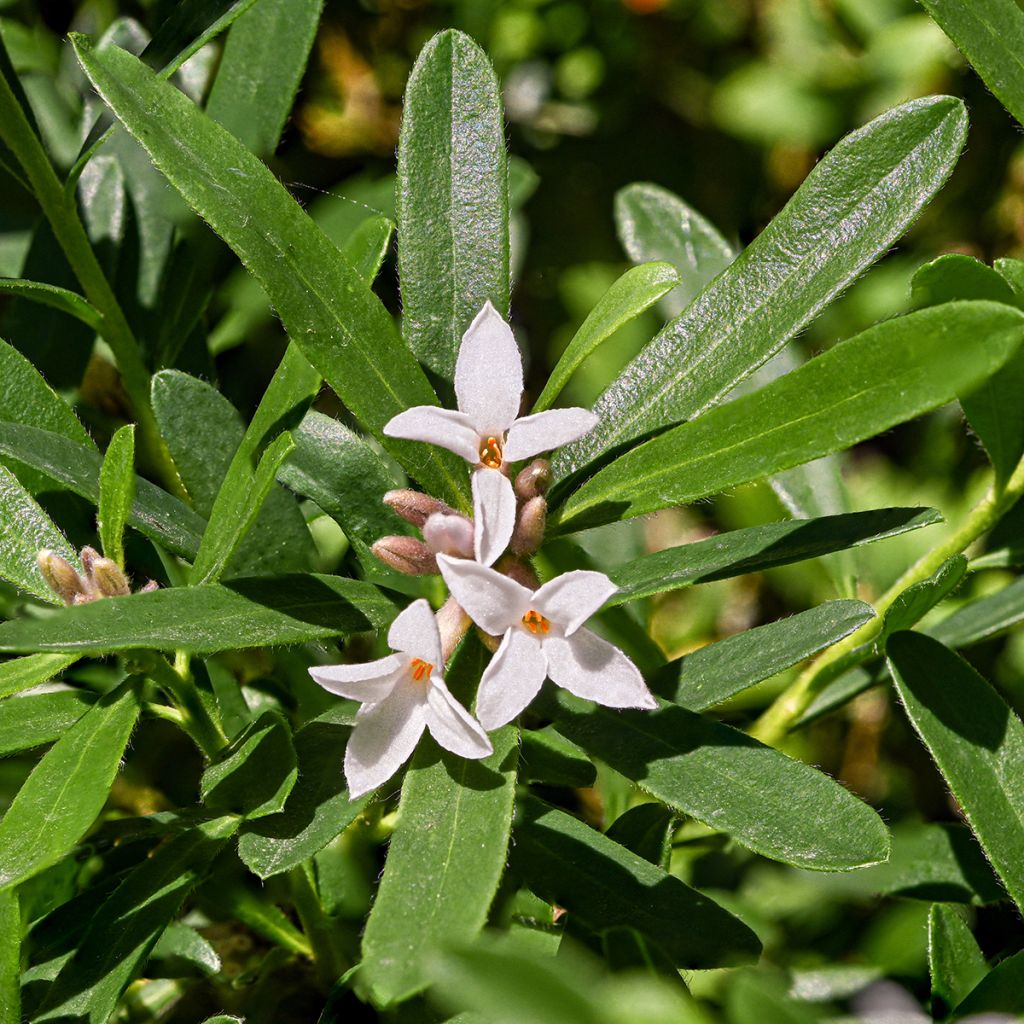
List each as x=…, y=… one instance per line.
x=490, y=453
x=536, y=623
x=420, y=669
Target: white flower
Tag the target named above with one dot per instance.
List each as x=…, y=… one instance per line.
x=402, y=695
x=541, y=637
x=485, y=431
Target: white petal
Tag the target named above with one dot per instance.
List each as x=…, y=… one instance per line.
x=383, y=739
x=414, y=632
x=494, y=514
x=449, y=535
x=444, y=427
x=489, y=373
x=491, y=600
x=546, y=431
x=370, y=682
x=592, y=668
x=512, y=679
x=570, y=599
x=452, y=725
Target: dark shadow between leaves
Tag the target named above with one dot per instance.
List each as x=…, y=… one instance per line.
x=305, y=599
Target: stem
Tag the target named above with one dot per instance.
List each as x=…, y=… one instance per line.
x=195, y=719
x=315, y=923
x=773, y=725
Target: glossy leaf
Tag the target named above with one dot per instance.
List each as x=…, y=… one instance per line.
x=976, y=740
x=181, y=950
x=67, y=788
x=1000, y=992
x=453, y=252
x=855, y=203
x=955, y=962
x=254, y=612
x=21, y=673
x=117, y=491
x=61, y=299
x=40, y=718
x=920, y=598
x=886, y=375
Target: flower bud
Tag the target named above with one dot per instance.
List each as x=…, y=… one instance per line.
x=533, y=480
x=148, y=587
x=529, y=532
x=88, y=556
x=449, y=535
x=414, y=506
x=452, y=625
x=108, y=578
x=406, y=555
x=60, y=575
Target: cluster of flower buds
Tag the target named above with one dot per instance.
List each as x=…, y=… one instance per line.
x=100, y=577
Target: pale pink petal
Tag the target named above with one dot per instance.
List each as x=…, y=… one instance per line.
x=384, y=738
x=511, y=680
x=494, y=514
x=449, y=535
x=570, y=599
x=590, y=667
x=493, y=601
x=444, y=427
x=414, y=632
x=546, y=431
x=452, y=725
x=489, y=373
x=370, y=682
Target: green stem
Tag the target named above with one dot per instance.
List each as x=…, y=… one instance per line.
x=316, y=924
x=195, y=719
x=773, y=725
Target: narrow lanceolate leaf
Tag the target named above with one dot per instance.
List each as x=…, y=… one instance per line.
x=1000, y=992
x=637, y=290
x=606, y=886
x=976, y=740
x=67, y=789
x=851, y=208
x=757, y=548
x=10, y=958
x=27, y=529
x=987, y=33
x=716, y=672
x=984, y=618
x=21, y=673
x=955, y=962
x=50, y=295
x=778, y=807
x=453, y=251
x=40, y=718
x=255, y=612
x=328, y=310
x=117, y=491
x=655, y=224
x=890, y=373
x=129, y=923
x=920, y=598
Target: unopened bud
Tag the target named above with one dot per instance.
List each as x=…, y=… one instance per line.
x=406, y=555
x=521, y=572
x=148, y=587
x=449, y=535
x=529, y=532
x=533, y=480
x=108, y=578
x=88, y=557
x=60, y=575
x=414, y=506
x=452, y=625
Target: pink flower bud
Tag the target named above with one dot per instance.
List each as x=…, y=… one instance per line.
x=529, y=532
x=406, y=555
x=533, y=480
x=415, y=507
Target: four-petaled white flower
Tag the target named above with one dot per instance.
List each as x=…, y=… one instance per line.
x=485, y=430
x=542, y=636
x=402, y=695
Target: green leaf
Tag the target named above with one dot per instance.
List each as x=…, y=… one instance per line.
x=67, y=788
x=986, y=32
x=719, y=671
x=976, y=740
x=10, y=958
x=452, y=198
x=127, y=926
x=329, y=312
x=27, y=530
x=182, y=952
x=606, y=886
x=117, y=491
x=778, y=807
x=757, y=548
x=645, y=830
x=762, y=996
x=547, y=757
x=318, y=807
x=21, y=673
x=1001, y=991
x=655, y=224
x=855, y=203
x=257, y=612
x=637, y=290
x=983, y=619
x=255, y=774
x=886, y=375
x=447, y=854
x=40, y=718
x=955, y=962
x=61, y=299
x=914, y=603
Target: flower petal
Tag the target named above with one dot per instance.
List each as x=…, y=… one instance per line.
x=546, y=431
x=494, y=514
x=512, y=679
x=590, y=667
x=452, y=725
x=570, y=599
x=489, y=373
x=414, y=632
x=492, y=601
x=370, y=682
x=444, y=427
x=449, y=535
x=383, y=739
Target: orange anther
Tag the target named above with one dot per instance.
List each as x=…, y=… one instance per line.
x=490, y=453
x=420, y=669
x=536, y=623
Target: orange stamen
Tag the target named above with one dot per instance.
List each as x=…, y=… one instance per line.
x=536, y=623
x=420, y=669
x=490, y=453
